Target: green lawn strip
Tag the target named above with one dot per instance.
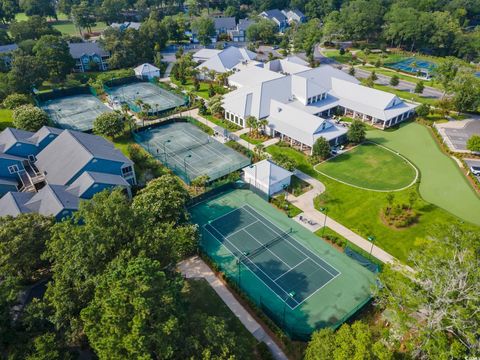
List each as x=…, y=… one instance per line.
x=407, y=95
x=442, y=182
x=252, y=140
x=221, y=122
x=203, y=298
x=401, y=76
x=5, y=118
x=201, y=125
x=203, y=90
x=65, y=25
x=285, y=206
x=370, y=166
x=360, y=210
x=339, y=240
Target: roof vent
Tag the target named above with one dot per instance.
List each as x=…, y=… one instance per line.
x=279, y=109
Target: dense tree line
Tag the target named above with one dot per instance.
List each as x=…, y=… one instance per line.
x=112, y=286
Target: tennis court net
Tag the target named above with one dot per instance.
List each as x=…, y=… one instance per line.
x=189, y=148
x=250, y=255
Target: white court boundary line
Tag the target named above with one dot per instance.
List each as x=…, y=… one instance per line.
x=263, y=282
x=307, y=257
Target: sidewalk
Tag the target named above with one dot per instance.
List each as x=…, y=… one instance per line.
x=195, y=268
x=305, y=203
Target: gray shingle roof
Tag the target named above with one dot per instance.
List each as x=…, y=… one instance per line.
x=243, y=24
x=43, y=133
x=8, y=48
x=64, y=157
x=52, y=200
x=13, y=203
x=275, y=14
x=228, y=23
x=77, y=50
x=89, y=178
x=10, y=136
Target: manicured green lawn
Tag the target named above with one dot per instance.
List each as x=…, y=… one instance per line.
x=252, y=140
x=407, y=95
x=370, y=166
x=5, y=118
x=401, y=76
x=65, y=25
x=203, y=91
x=442, y=182
x=360, y=210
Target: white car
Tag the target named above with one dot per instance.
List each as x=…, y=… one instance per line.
x=475, y=170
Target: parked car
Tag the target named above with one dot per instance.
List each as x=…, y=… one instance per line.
x=475, y=170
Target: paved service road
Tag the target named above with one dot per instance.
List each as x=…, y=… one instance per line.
x=382, y=79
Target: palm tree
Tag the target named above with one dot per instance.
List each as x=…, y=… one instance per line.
x=252, y=123
x=263, y=123
x=258, y=151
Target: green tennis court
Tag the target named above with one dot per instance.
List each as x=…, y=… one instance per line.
x=288, y=268
x=76, y=112
x=157, y=99
x=295, y=278
x=189, y=152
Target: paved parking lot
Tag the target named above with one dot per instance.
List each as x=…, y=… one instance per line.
x=457, y=133
x=473, y=162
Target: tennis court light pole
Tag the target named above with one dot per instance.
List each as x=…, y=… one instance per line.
x=324, y=210
x=165, y=148
x=371, y=238
x=290, y=295
x=185, y=163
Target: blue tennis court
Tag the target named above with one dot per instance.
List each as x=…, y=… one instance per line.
x=283, y=264
x=413, y=66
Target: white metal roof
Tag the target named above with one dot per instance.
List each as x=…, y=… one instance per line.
x=227, y=59
x=267, y=173
x=146, y=69
x=251, y=76
x=205, y=54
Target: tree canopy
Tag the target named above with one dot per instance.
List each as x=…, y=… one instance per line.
x=29, y=117
x=109, y=124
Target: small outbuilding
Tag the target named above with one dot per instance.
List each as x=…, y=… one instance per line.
x=267, y=177
x=147, y=71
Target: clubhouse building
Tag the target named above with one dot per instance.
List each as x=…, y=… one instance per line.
x=299, y=101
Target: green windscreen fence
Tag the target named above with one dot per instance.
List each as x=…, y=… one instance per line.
x=299, y=281
x=189, y=152
x=73, y=108
x=142, y=95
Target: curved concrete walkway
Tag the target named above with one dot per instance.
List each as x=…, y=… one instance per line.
x=195, y=268
x=305, y=203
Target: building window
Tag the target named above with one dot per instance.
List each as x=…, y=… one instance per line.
x=13, y=169
x=127, y=171
x=241, y=122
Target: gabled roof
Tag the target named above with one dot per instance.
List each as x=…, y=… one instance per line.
x=145, y=69
x=371, y=97
x=52, y=200
x=65, y=156
x=205, y=54
x=43, y=132
x=275, y=14
x=324, y=74
x=77, y=50
x=227, y=59
x=267, y=172
x=243, y=24
x=289, y=65
x=89, y=178
x=13, y=203
x=300, y=125
x=228, y=23
x=10, y=136
x=255, y=100
x=8, y=48
x=252, y=76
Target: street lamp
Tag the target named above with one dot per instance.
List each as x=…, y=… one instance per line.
x=324, y=210
x=185, y=163
x=285, y=187
x=371, y=238
x=165, y=149
x=289, y=295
